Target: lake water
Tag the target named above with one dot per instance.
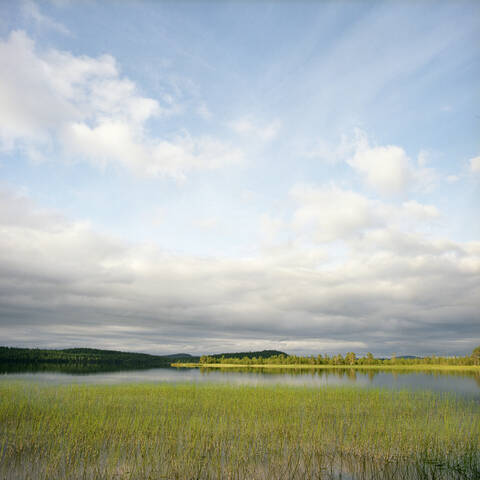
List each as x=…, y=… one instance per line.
x=464, y=383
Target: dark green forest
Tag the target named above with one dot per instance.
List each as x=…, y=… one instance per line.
x=80, y=360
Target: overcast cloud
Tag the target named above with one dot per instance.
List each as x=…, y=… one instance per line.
x=62, y=283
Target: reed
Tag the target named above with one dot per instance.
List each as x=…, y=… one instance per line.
x=165, y=431
x=304, y=366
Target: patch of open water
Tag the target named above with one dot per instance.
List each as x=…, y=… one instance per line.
x=465, y=383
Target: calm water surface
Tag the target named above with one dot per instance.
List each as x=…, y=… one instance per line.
x=465, y=383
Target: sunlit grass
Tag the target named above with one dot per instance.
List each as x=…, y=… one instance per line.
x=219, y=431
x=303, y=366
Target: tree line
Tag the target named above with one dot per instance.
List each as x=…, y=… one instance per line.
x=80, y=357
x=90, y=359
x=348, y=360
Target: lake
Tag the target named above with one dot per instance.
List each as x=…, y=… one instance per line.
x=464, y=383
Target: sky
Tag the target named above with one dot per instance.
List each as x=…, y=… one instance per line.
x=207, y=177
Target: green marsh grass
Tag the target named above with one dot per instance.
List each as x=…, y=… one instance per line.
x=182, y=431
x=304, y=366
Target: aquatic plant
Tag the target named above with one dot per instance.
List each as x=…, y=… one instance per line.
x=208, y=431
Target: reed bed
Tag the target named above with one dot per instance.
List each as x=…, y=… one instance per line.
x=166, y=431
x=305, y=366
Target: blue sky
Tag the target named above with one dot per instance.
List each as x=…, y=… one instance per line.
x=307, y=164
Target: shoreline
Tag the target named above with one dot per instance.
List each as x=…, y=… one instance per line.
x=464, y=368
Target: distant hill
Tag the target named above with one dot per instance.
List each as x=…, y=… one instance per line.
x=260, y=354
x=176, y=356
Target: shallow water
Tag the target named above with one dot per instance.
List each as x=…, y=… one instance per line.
x=464, y=383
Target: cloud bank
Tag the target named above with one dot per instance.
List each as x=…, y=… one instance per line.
x=62, y=283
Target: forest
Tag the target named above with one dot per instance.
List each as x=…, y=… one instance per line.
x=78, y=359
x=349, y=359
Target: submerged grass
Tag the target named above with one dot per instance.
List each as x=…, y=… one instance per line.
x=190, y=431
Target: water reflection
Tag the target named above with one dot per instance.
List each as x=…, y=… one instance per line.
x=75, y=369
x=462, y=382
x=440, y=381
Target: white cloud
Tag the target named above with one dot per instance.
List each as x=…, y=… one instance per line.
x=452, y=178
x=423, y=158
x=19, y=211
x=394, y=245
x=420, y=211
x=388, y=169
x=249, y=127
x=270, y=229
x=475, y=164
x=83, y=105
x=31, y=11
x=207, y=223
x=204, y=111
x=117, y=142
x=331, y=152
x=329, y=213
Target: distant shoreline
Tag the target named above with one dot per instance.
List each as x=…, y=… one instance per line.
x=468, y=368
